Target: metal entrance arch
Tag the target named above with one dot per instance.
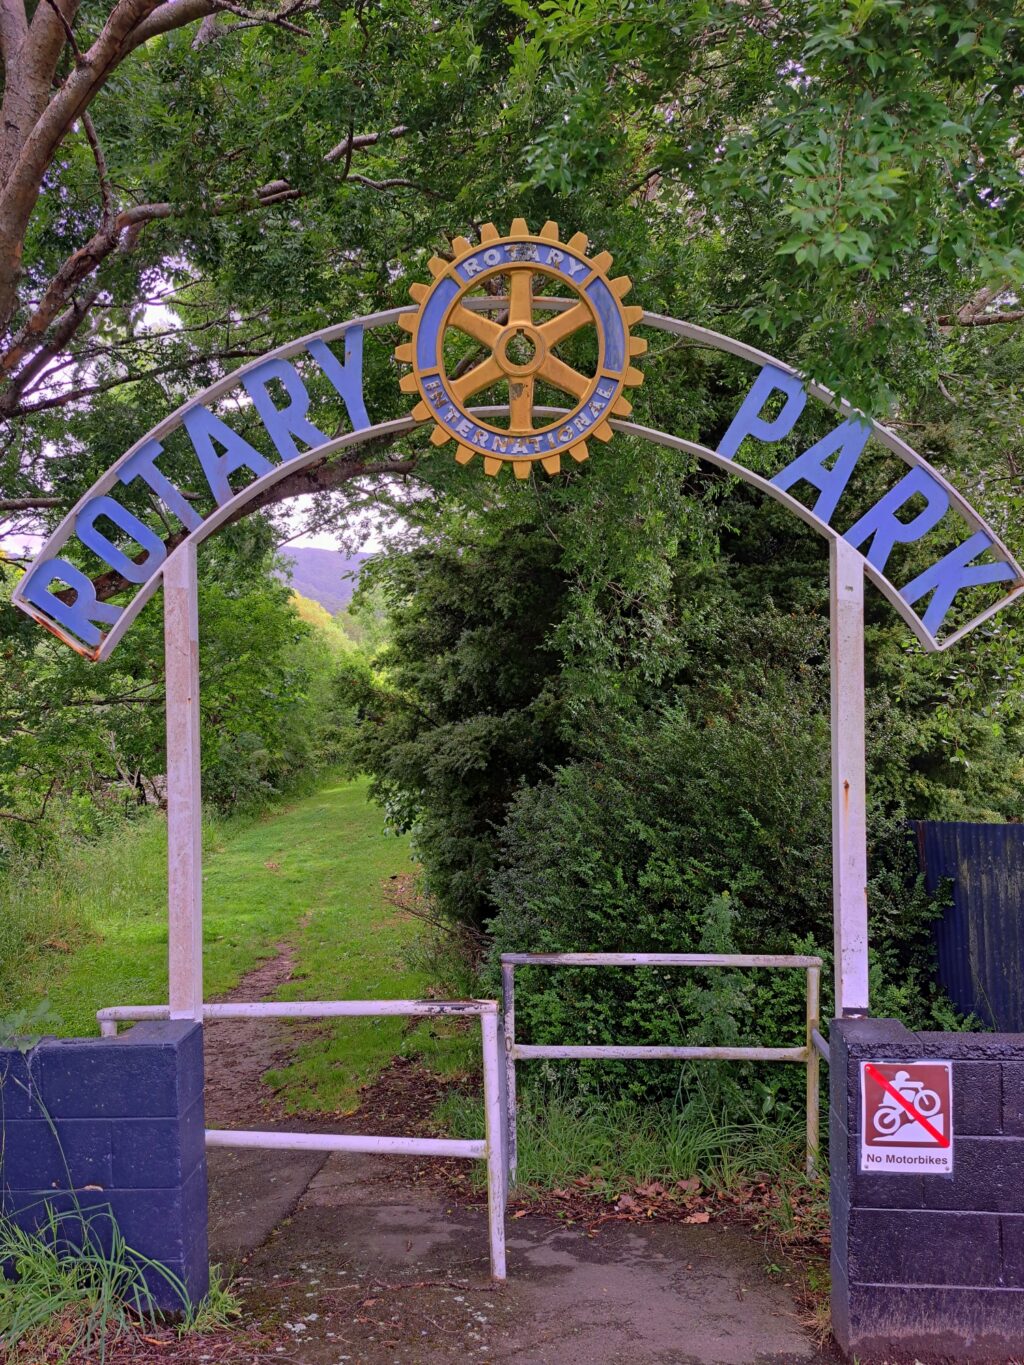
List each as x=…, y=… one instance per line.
x=75, y=614
x=177, y=573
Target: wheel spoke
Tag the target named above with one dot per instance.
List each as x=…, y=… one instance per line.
x=563, y=325
x=564, y=377
x=520, y=403
x=479, y=377
x=475, y=325
x=520, y=302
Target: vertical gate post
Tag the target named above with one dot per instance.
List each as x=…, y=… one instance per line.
x=494, y=1127
x=849, y=781
x=508, y=992
x=184, y=790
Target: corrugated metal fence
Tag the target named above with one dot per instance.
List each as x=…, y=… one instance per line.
x=981, y=936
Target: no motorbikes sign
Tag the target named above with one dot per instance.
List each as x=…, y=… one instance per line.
x=906, y=1117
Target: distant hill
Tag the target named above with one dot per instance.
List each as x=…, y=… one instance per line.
x=318, y=574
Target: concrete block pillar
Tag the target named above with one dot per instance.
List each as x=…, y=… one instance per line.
x=112, y=1128
x=930, y=1266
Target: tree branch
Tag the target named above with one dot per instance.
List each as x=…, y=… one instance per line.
x=28, y=504
x=351, y=144
x=106, y=191
x=980, y=319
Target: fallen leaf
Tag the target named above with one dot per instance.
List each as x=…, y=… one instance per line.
x=520, y=1214
x=698, y=1218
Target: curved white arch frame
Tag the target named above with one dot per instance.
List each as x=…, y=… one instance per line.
x=400, y=426
x=848, y=569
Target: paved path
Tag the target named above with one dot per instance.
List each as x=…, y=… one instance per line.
x=362, y=1267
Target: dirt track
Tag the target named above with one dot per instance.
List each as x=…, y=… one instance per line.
x=366, y=1259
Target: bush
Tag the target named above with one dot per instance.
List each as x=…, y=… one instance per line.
x=687, y=833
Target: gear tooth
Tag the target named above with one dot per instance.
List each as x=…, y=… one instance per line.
x=622, y=407
x=437, y=265
x=419, y=291
x=521, y=468
x=488, y=232
x=421, y=412
x=519, y=228
x=621, y=286
x=461, y=246
x=633, y=315
x=578, y=242
x=637, y=345
x=407, y=322
x=408, y=384
x=491, y=465
x=602, y=261
x=404, y=353
x=439, y=437
x=464, y=454
x=579, y=452
x=552, y=463
x=603, y=432
x=634, y=377
x=550, y=234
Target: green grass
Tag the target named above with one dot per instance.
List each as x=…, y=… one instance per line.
x=90, y=929
x=620, y=1143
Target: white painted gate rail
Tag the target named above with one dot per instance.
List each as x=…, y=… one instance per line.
x=806, y=1055
x=491, y=1148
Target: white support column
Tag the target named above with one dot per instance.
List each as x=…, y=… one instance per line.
x=849, y=781
x=184, y=791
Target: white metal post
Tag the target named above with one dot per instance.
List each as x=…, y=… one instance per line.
x=508, y=993
x=184, y=790
x=849, y=781
x=493, y=1130
x=813, y=999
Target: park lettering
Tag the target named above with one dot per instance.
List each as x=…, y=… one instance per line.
x=63, y=594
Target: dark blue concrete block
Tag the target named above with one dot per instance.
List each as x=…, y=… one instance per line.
x=1013, y=1099
x=899, y=1246
x=1012, y=1231
x=931, y=1266
x=92, y=1221
x=37, y=1155
x=867, y=1189
x=157, y=1153
x=128, y=1115
x=78, y=1217
x=973, y=1047
x=988, y=1176
x=977, y=1099
x=152, y=1071
x=905, y=1322
x=159, y=1223
x=19, y=1084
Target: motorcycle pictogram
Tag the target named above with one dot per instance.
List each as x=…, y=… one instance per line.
x=891, y=1116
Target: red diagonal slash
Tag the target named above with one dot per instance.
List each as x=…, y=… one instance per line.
x=876, y=1075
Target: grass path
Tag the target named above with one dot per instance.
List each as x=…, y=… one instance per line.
x=313, y=871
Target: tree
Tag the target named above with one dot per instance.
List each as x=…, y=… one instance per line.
x=859, y=161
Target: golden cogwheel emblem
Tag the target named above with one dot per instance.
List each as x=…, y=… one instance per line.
x=477, y=332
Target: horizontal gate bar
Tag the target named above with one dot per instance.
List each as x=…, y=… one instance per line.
x=302, y=1009
x=336, y=1142
x=523, y=1051
x=658, y=960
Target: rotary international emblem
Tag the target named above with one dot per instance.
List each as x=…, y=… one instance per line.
x=474, y=335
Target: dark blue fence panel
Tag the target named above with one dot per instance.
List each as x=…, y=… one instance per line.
x=981, y=936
